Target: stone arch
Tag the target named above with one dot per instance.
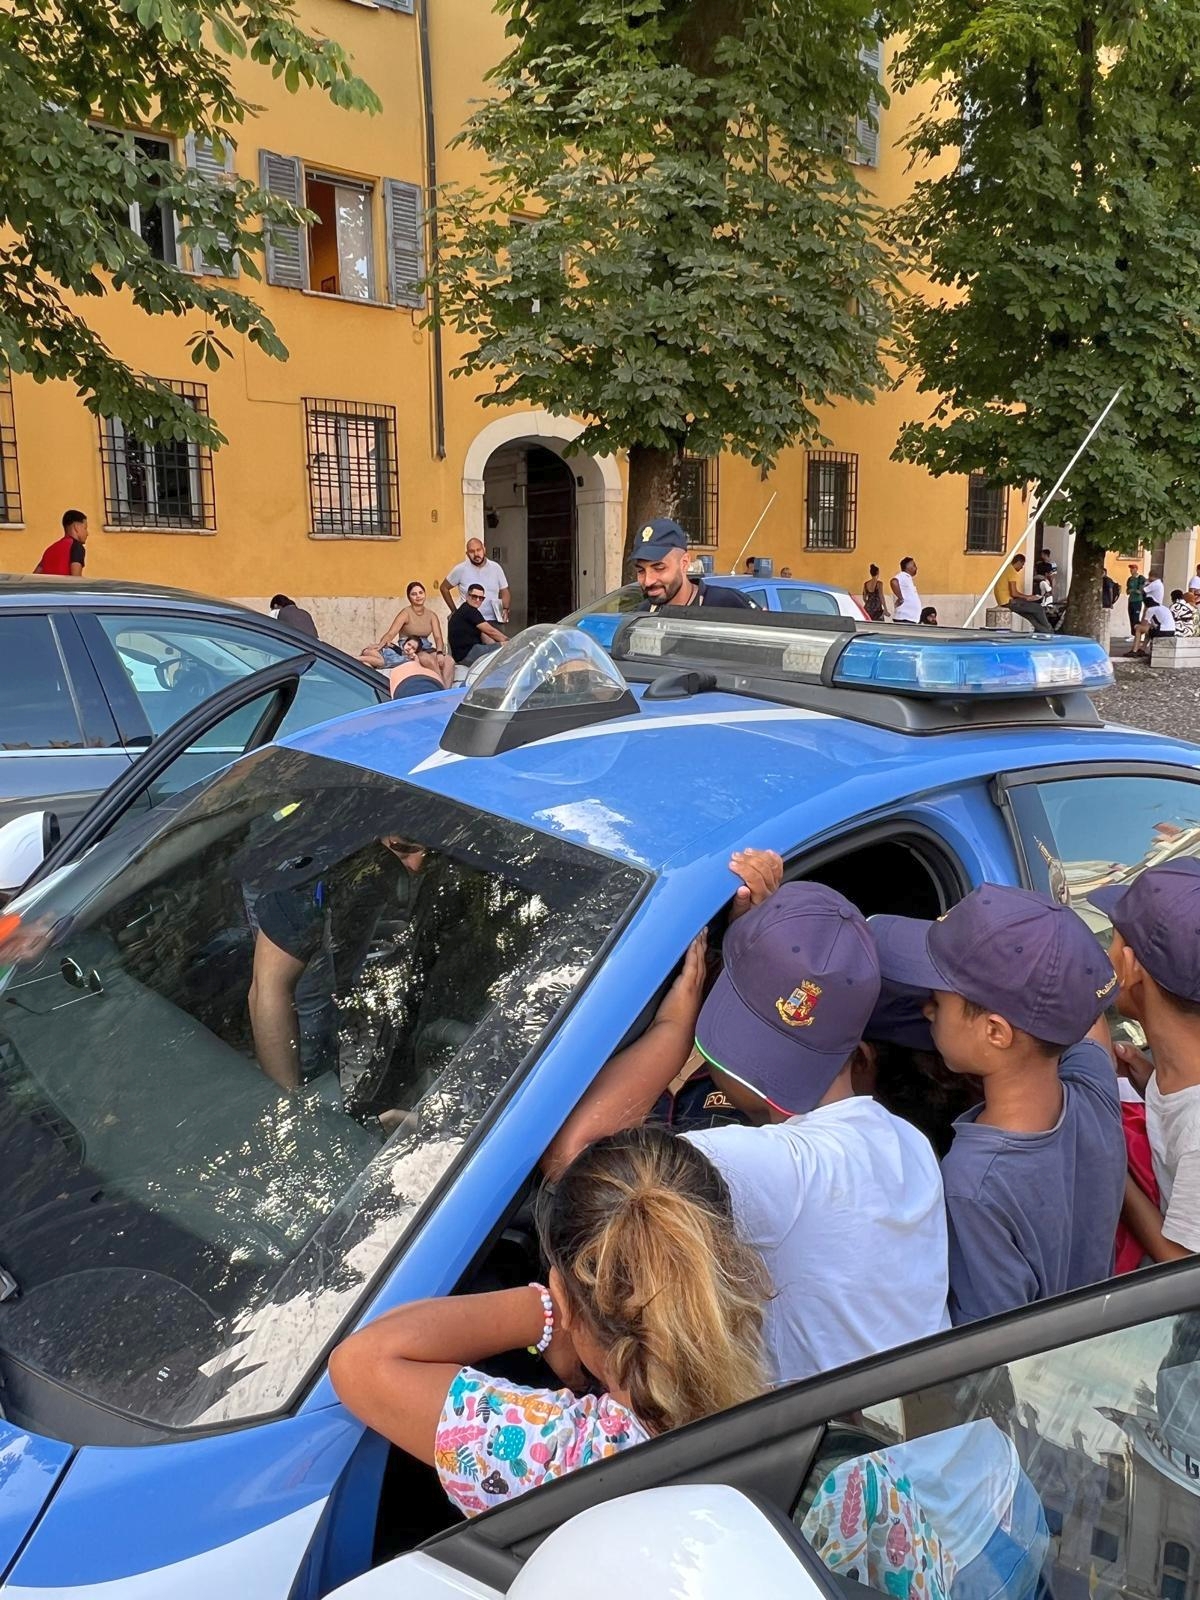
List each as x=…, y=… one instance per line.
x=599, y=492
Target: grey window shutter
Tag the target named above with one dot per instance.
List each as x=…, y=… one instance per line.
x=405, y=242
x=286, y=247
x=866, y=136
x=216, y=165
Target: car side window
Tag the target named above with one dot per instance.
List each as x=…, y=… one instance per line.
x=1063, y=1474
x=174, y=664
x=1079, y=834
x=808, y=600
x=757, y=597
x=37, y=708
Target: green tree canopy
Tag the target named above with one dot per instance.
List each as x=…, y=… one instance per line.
x=1063, y=256
x=696, y=267
x=71, y=68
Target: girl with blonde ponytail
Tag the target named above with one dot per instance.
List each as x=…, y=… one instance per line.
x=651, y=1293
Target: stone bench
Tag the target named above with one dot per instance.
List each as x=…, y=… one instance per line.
x=1176, y=654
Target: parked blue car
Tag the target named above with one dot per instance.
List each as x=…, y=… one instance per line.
x=790, y=595
x=497, y=888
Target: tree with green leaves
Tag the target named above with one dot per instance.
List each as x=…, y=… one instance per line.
x=74, y=76
x=672, y=243
x=1058, y=222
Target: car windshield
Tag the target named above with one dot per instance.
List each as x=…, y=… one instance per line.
x=236, y=1056
x=616, y=603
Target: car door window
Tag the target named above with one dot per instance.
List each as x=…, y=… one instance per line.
x=206, y=1157
x=1081, y=833
x=757, y=597
x=37, y=709
x=174, y=664
x=1066, y=1474
x=807, y=600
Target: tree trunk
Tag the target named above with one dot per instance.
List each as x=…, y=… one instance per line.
x=1085, y=611
x=653, y=492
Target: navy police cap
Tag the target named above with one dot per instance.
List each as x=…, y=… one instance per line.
x=656, y=537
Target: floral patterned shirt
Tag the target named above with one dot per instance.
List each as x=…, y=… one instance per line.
x=496, y=1439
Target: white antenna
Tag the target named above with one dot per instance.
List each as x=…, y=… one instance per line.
x=753, y=531
x=1038, y=508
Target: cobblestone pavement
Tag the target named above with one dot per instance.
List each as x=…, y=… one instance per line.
x=1164, y=702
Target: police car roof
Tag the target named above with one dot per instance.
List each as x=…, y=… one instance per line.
x=688, y=778
x=742, y=580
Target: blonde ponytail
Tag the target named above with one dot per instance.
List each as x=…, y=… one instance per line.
x=641, y=1230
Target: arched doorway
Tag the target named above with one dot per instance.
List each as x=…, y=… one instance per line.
x=553, y=522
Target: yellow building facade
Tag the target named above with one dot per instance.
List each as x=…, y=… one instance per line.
x=360, y=464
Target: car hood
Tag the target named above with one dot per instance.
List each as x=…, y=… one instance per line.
x=30, y=1468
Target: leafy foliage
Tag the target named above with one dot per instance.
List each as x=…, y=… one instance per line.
x=66, y=187
x=672, y=244
x=1063, y=250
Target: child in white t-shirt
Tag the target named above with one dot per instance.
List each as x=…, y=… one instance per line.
x=825, y=1179
x=1156, y=954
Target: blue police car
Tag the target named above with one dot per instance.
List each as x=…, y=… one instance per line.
x=211, y=1168
x=790, y=595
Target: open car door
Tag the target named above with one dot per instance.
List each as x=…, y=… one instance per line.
x=242, y=718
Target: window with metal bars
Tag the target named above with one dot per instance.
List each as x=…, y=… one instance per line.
x=10, y=481
x=832, y=500
x=168, y=485
x=353, y=482
x=699, y=499
x=987, y=516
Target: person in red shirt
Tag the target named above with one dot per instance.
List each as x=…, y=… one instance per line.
x=66, y=556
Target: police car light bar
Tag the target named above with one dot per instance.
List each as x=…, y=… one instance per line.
x=893, y=659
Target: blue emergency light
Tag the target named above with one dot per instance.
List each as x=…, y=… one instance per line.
x=973, y=664
x=942, y=663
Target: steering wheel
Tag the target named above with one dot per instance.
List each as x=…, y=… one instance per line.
x=194, y=683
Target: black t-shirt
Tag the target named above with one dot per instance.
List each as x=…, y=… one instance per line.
x=718, y=595
x=462, y=631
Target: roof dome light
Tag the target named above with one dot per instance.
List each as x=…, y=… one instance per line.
x=547, y=680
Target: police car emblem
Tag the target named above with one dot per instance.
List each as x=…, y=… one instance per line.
x=797, y=1010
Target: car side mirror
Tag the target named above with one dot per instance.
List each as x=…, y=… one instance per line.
x=25, y=843
x=706, y=1540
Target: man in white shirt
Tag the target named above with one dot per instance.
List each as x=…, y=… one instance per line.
x=1194, y=585
x=907, y=607
x=1154, y=591
x=827, y=1183
x=478, y=569
x=1156, y=620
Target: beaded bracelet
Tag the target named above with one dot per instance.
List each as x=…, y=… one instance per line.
x=543, y=1343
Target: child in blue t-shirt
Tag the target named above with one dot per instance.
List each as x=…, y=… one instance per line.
x=1035, y=1177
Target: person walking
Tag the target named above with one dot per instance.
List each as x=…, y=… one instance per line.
x=1135, y=597
x=285, y=610
x=65, y=558
x=488, y=574
x=873, y=600
x=907, y=606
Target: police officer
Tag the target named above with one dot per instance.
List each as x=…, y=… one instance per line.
x=660, y=560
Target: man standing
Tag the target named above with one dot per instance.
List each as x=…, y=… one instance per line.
x=488, y=574
x=293, y=616
x=1194, y=587
x=1045, y=566
x=66, y=556
x=660, y=561
x=469, y=633
x=1008, y=592
x=1135, y=596
x=904, y=588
